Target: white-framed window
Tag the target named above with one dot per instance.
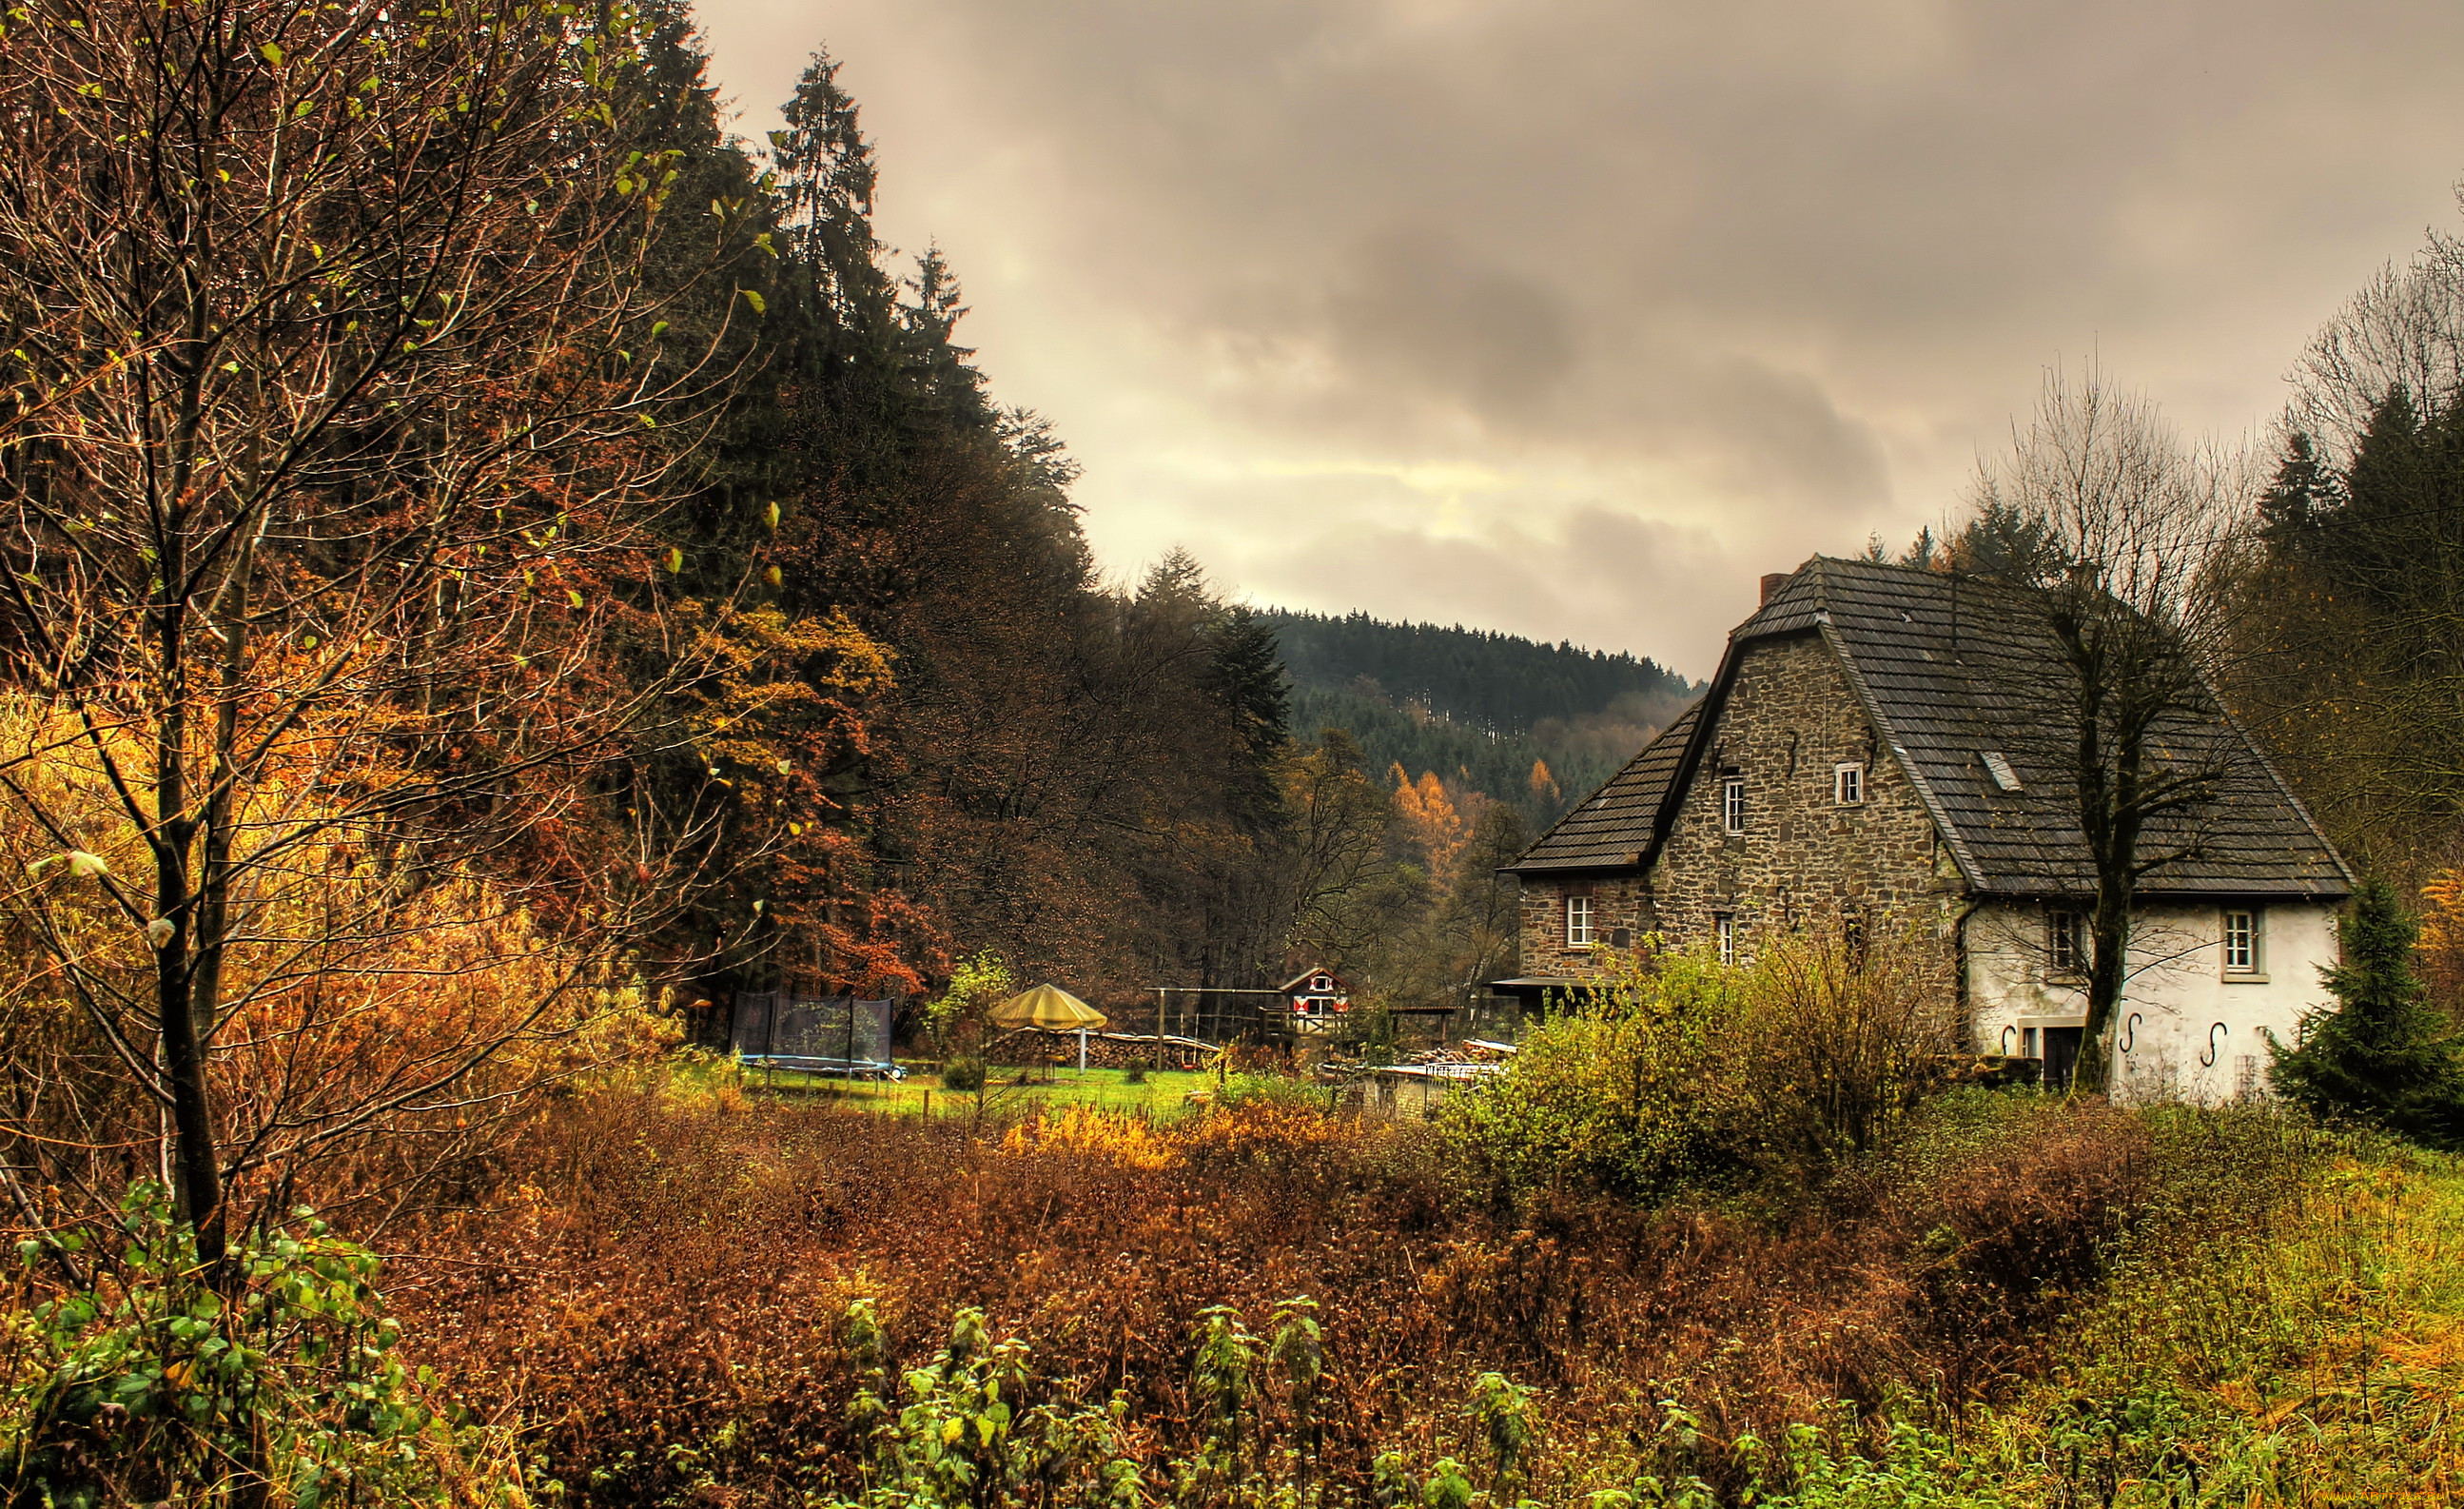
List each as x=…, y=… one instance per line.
x=1578, y=922
x=1848, y=785
x=2066, y=944
x=1732, y=804
x=1727, y=927
x=2028, y=1048
x=2242, y=942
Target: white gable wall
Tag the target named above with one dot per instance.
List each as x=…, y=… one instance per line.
x=2177, y=987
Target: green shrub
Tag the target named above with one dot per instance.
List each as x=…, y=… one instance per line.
x=1621, y=1094
x=976, y=984
x=1839, y=1041
x=1683, y=1072
x=963, y=1075
x=276, y=1379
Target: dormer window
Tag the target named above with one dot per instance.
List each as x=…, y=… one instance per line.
x=1732, y=804
x=1848, y=785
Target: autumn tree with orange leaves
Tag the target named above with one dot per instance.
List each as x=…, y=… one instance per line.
x=339, y=421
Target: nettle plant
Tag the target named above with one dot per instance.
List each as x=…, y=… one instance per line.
x=979, y=1425
x=964, y=1431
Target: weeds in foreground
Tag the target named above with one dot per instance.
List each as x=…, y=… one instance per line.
x=275, y=1380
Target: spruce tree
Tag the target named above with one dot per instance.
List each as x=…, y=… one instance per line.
x=2384, y=1055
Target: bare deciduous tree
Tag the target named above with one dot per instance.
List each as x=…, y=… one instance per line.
x=2112, y=529
x=2403, y=330
x=2354, y=660
x=329, y=459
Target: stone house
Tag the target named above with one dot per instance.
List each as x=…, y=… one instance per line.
x=1852, y=766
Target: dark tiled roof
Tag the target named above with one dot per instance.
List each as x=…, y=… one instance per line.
x=1613, y=828
x=1931, y=655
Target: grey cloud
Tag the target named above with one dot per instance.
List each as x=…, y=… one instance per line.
x=1761, y=275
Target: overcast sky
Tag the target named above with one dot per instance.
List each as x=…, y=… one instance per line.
x=1573, y=319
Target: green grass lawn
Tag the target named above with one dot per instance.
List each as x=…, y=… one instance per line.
x=1165, y=1094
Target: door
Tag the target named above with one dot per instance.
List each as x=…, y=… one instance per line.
x=2061, y=1055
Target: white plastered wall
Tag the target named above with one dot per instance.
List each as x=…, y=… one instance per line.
x=2178, y=991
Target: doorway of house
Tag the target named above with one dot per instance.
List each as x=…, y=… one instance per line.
x=2061, y=1055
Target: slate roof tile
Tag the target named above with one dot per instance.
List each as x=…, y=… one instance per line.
x=1612, y=827
x=1931, y=655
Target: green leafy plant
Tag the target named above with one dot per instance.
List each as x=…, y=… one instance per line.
x=271, y=1376
x=1618, y=1095
x=977, y=1426
x=1511, y=1423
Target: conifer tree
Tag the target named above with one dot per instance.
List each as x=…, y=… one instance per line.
x=2383, y=1055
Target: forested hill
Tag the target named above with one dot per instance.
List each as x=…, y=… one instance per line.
x=1536, y=724
x=1477, y=676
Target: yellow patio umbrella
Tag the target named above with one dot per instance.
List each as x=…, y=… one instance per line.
x=1053, y=1009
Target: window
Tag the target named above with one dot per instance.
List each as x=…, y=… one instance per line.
x=1997, y=765
x=1848, y=785
x=1578, y=922
x=1732, y=804
x=2065, y=946
x=2028, y=1048
x=2241, y=943
x=1728, y=930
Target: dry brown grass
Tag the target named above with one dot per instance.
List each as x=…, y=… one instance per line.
x=658, y=1295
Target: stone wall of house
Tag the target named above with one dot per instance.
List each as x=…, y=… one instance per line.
x=1620, y=915
x=1790, y=720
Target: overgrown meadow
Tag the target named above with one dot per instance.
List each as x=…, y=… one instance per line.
x=1632, y=1269
x=693, y=1298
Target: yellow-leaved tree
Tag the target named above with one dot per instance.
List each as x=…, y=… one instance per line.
x=333, y=449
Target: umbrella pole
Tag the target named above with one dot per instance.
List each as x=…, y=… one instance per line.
x=1082, y=1051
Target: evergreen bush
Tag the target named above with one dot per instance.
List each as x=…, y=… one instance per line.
x=2383, y=1055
